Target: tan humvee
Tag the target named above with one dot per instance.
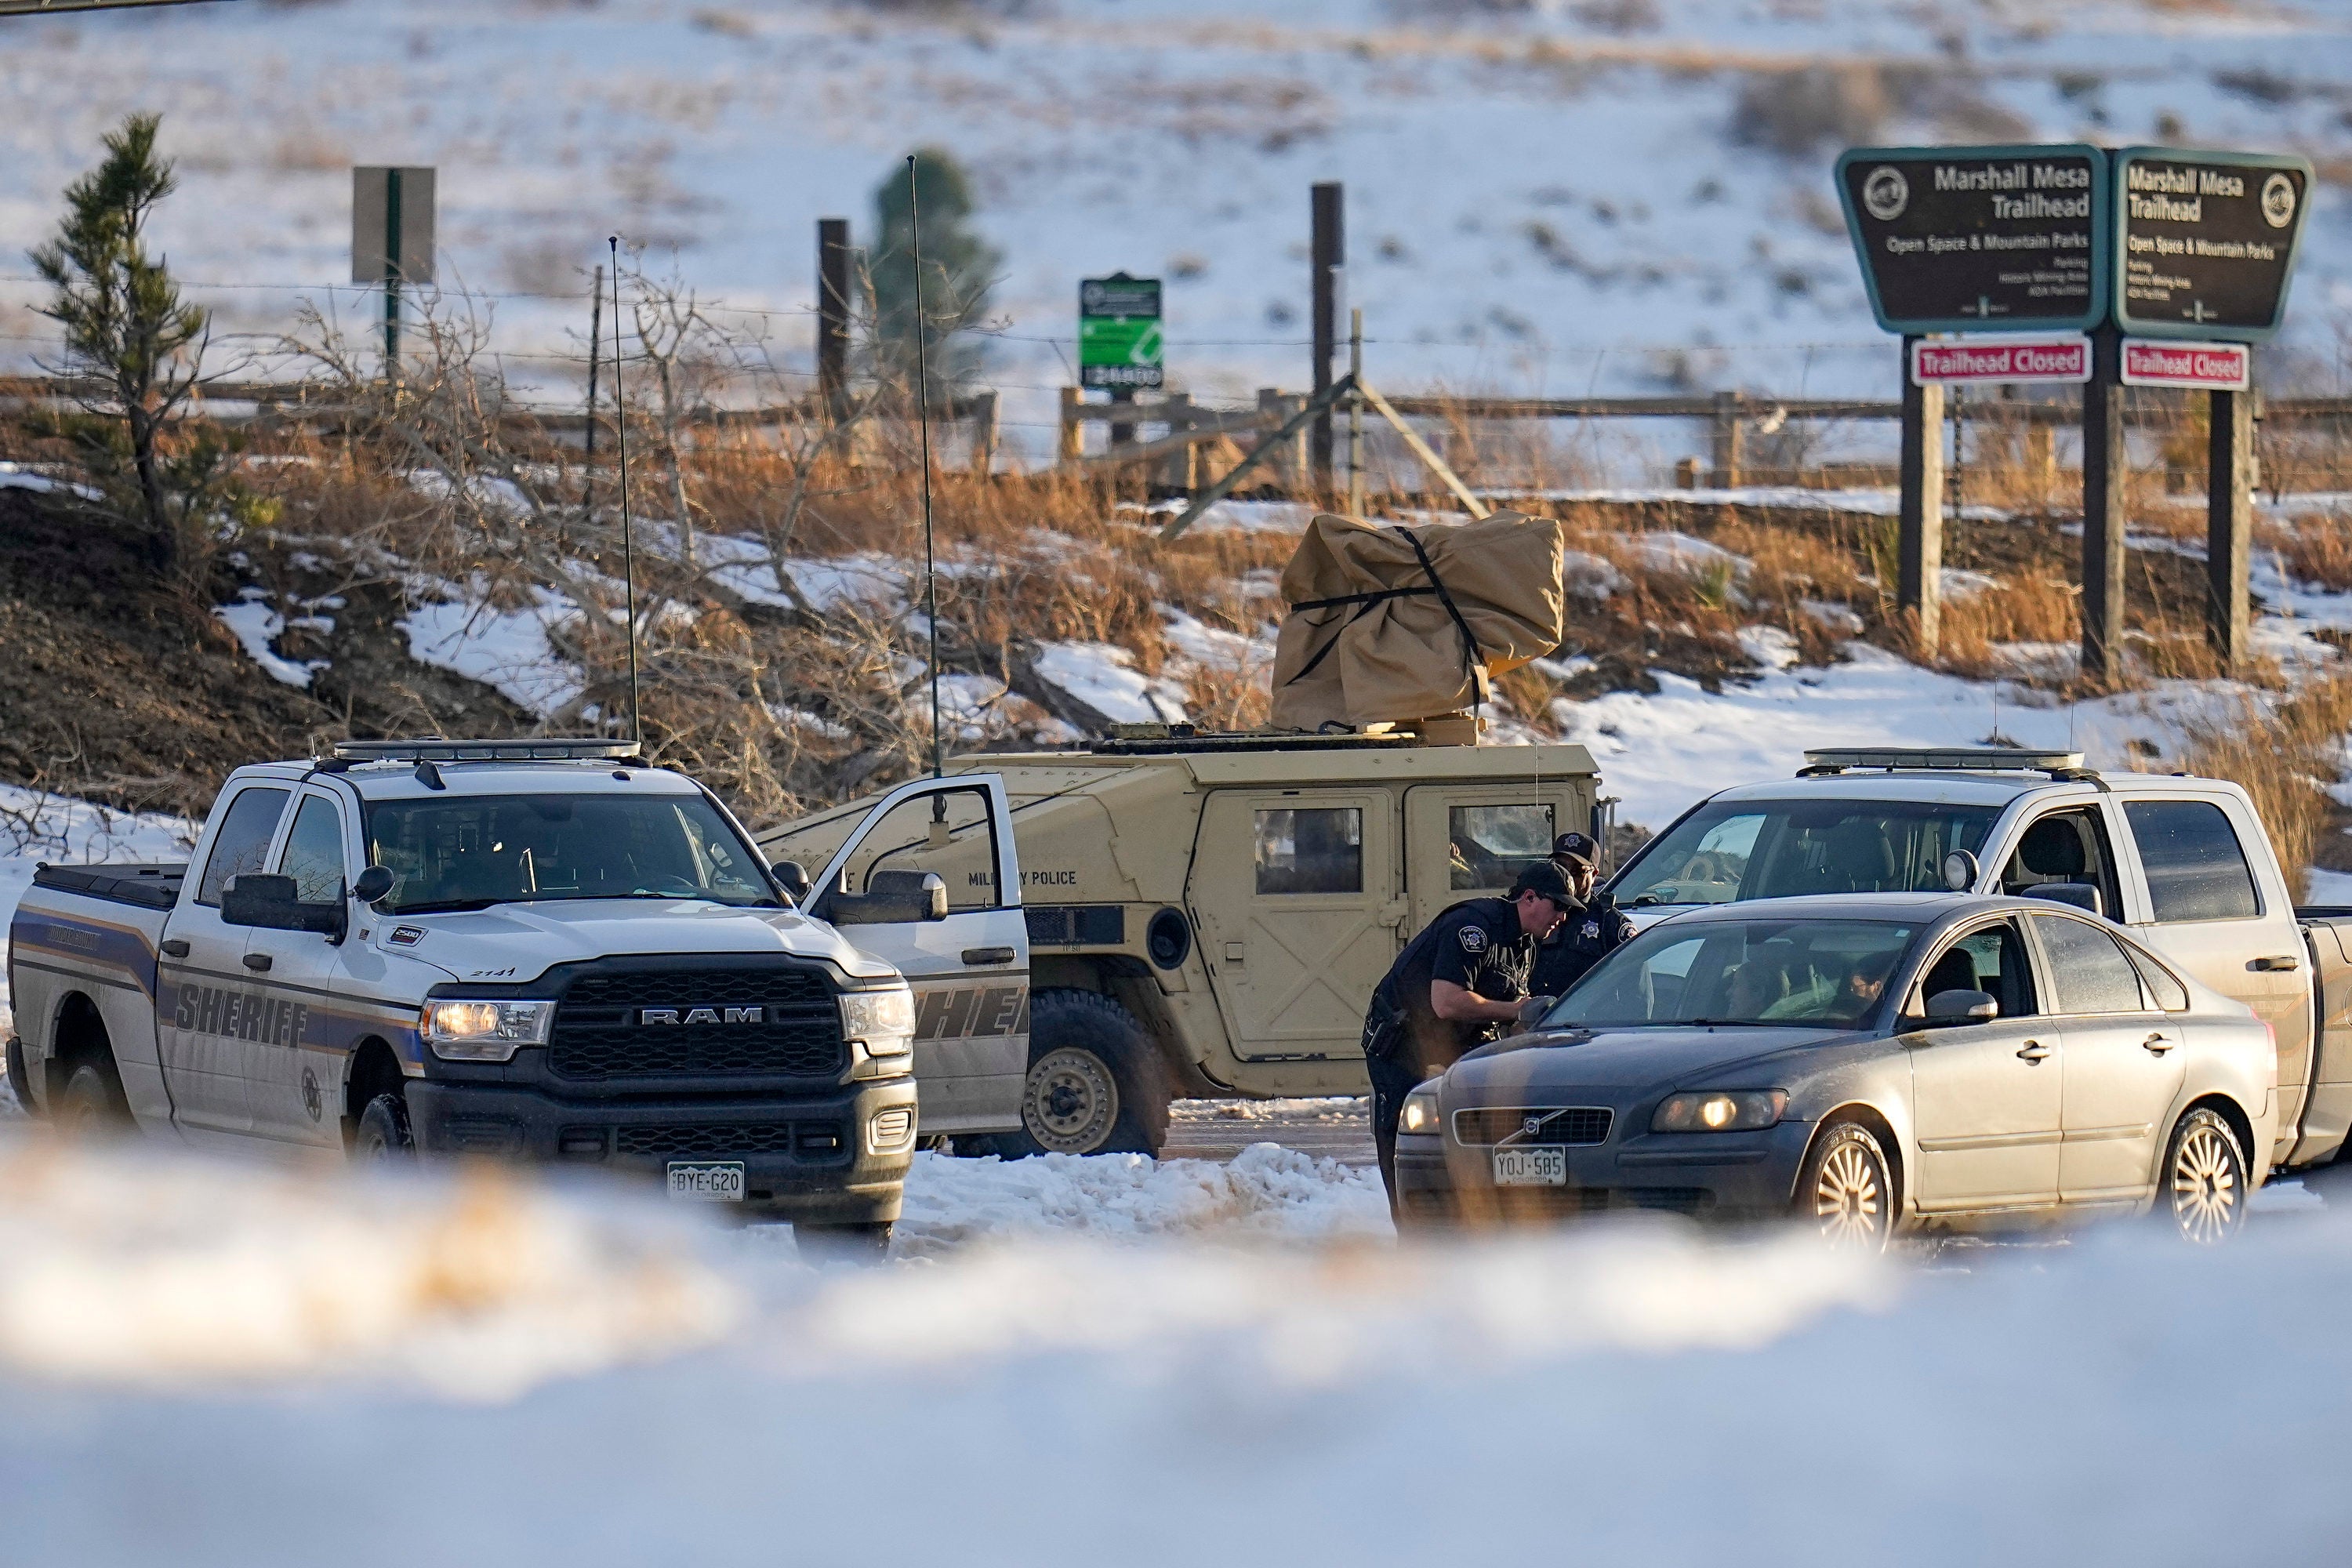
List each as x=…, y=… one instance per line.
x=1208, y=915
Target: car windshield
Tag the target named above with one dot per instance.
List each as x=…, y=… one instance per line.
x=471, y=853
x=1730, y=850
x=1801, y=974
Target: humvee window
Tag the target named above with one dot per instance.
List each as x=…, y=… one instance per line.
x=1489, y=846
x=1311, y=851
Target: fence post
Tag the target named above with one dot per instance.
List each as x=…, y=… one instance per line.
x=981, y=415
x=1329, y=253
x=1919, y=523
x=2228, y=523
x=1273, y=408
x=2104, y=513
x=1073, y=434
x=1176, y=469
x=832, y=316
x=1724, y=442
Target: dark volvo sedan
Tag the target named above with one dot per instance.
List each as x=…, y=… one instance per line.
x=1868, y=1063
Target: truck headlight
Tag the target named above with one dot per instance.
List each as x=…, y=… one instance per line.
x=884, y=1021
x=1720, y=1111
x=484, y=1031
x=1419, y=1114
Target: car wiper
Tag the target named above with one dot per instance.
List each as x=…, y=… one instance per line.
x=445, y=906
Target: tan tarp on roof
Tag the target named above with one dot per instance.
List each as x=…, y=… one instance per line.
x=1400, y=657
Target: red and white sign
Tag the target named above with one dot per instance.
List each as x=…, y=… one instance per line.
x=1996, y=360
x=2213, y=367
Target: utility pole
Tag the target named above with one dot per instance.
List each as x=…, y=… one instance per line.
x=1355, y=414
x=1328, y=260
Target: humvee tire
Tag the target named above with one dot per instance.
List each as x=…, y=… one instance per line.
x=1097, y=1085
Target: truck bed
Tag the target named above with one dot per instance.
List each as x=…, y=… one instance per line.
x=2324, y=1108
x=155, y=887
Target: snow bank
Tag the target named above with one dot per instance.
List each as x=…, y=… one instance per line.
x=255, y=627
x=506, y=648
x=1101, y=679
x=118, y=1266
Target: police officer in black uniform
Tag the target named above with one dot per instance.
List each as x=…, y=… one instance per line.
x=1593, y=927
x=1450, y=989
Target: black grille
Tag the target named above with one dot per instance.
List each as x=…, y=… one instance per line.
x=1577, y=1125
x=597, y=1035
x=728, y=1140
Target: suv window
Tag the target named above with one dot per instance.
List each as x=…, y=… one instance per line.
x=2087, y=970
x=1318, y=850
x=1489, y=846
x=243, y=842
x=314, y=851
x=2066, y=849
x=2196, y=867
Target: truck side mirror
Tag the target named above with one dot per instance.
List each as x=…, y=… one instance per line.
x=373, y=884
x=891, y=897
x=270, y=903
x=1962, y=1007
x=794, y=878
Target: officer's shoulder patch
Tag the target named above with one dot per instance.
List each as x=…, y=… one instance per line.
x=1474, y=939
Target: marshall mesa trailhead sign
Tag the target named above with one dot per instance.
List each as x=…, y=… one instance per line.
x=2206, y=241
x=1980, y=238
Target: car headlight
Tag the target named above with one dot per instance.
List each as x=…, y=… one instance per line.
x=1420, y=1114
x=883, y=1020
x=1720, y=1111
x=484, y=1031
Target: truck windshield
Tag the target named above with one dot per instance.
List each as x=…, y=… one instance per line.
x=1803, y=974
x=1730, y=850
x=471, y=853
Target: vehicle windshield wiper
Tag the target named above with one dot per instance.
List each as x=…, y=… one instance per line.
x=445, y=906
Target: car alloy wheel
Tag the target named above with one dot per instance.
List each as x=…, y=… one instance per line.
x=2207, y=1177
x=1071, y=1101
x=1848, y=1194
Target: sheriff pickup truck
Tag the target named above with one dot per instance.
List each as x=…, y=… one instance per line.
x=538, y=949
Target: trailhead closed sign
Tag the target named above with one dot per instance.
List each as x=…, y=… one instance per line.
x=1976, y=238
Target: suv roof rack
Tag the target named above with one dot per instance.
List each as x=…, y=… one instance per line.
x=433, y=748
x=1827, y=760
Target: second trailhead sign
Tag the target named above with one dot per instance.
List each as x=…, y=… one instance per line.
x=1980, y=238
x=2207, y=240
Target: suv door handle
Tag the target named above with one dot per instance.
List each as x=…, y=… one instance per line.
x=988, y=955
x=174, y=947
x=2034, y=1051
x=2159, y=1044
x=2278, y=964
x=256, y=961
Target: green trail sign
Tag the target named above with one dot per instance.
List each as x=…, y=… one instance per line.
x=2208, y=241
x=1119, y=341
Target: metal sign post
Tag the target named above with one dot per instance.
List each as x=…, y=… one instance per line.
x=391, y=241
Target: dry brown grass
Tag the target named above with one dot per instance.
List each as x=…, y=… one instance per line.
x=2283, y=755
x=2315, y=548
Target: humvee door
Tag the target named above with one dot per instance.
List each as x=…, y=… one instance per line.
x=969, y=969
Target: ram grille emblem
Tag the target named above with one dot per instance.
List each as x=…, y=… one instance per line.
x=702, y=1015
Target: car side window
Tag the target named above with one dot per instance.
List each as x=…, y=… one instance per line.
x=2087, y=970
x=243, y=842
x=2195, y=866
x=313, y=855
x=2162, y=983
x=1990, y=959
x=2065, y=847
x=951, y=832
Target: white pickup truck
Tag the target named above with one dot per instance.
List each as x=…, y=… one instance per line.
x=2182, y=863
x=538, y=950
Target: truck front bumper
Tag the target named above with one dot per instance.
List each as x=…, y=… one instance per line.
x=833, y=1157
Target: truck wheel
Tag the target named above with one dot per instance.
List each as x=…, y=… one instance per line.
x=382, y=1138
x=93, y=1104
x=854, y=1241
x=1847, y=1193
x=2204, y=1187
x=1096, y=1085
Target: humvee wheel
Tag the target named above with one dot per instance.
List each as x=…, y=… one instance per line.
x=1095, y=1085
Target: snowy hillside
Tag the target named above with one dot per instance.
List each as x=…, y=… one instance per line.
x=1542, y=195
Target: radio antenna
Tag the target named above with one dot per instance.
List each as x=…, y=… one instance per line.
x=923, y=409
x=628, y=532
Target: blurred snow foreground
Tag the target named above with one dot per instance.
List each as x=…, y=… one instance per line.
x=1109, y=1360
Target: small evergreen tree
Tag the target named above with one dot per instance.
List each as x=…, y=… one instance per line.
x=125, y=327
x=958, y=268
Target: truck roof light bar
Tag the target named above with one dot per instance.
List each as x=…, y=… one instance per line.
x=433, y=749
x=1828, y=760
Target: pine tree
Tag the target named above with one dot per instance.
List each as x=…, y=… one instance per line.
x=958, y=268
x=125, y=327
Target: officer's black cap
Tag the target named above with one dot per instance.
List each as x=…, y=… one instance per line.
x=1577, y=847
x=1544, y=879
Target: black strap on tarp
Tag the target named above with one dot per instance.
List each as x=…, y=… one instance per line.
x=1364, y=602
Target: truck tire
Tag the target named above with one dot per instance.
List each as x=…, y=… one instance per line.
x=383, y=1137
x=19, y=1081
x=1096, y=1084
x=93, y=1103
x=853, y=1241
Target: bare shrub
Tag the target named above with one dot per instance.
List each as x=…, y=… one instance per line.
x=2284, y=754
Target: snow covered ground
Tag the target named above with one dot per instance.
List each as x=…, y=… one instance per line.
x=211, y=1363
